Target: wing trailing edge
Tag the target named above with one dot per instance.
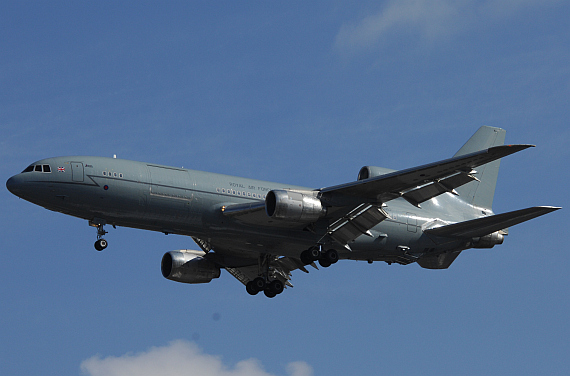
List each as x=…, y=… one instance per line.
x=487, y=225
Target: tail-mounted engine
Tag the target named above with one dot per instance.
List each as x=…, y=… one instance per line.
x=188, y=266
x=294, y=206
x=368, y=172
x=489, y=241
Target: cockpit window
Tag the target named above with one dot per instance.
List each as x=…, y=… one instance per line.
x=38, y=168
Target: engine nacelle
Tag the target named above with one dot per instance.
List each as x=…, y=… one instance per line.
x=188, y=266
x=488, y=241
x=294, y=206
x=368, y=172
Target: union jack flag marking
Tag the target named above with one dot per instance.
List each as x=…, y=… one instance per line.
x=61, y=169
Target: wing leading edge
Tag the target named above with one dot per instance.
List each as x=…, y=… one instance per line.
x=418, y=183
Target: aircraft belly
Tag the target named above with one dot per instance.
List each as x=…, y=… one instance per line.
x=253, y=241
x=393, y=238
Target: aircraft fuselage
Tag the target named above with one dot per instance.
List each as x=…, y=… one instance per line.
x=188, y=202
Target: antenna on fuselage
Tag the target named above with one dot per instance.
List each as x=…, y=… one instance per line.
x=114, y=156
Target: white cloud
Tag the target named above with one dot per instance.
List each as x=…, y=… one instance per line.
x=428, y=19
x=179, y=358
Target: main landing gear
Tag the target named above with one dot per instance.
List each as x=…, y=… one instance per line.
x=101, y=243
x=270, y=287
x=325, y=259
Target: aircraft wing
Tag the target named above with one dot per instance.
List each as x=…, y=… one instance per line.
x=419, y=183
x=487, y=225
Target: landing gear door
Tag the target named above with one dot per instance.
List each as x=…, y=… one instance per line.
x=76, y=171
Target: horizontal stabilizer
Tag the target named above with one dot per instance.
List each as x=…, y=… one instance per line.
x=487, y=225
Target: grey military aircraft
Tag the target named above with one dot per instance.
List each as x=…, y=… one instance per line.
x=261, y=231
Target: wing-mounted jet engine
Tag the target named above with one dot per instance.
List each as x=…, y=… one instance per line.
x=188, y=266
x=294, y=206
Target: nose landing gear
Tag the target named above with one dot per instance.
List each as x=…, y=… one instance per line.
x=101, y=243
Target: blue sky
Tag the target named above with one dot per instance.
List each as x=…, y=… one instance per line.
x=296, y=92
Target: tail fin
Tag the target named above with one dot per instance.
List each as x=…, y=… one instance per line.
x=480, y=193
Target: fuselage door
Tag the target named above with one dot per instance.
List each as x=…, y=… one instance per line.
x=76, y=171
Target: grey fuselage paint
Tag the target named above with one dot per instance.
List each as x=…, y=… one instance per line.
x=188, y=202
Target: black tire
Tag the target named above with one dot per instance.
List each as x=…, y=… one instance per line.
x=269, y=293
x=315, y=253
x=306, y=257
x=100, y=244
x=276, y=286
x=259, y=283
x=250, y=288
x=324, y=263
x=331, y=256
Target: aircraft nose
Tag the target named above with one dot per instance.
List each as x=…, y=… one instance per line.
x=13, y=185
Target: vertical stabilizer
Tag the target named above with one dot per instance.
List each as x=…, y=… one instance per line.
x=480, y=193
